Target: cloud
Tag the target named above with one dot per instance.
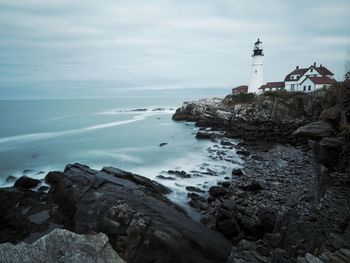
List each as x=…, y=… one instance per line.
x=161, y=43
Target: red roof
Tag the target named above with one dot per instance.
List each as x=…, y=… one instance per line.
x=298, y=71
x=301, y=71
x=322, y=80
x=239, y=89
x=270, y=85
x=324, y=71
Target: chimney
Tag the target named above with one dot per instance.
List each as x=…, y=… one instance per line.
x=297, y=67
x=314, y=64
x=321, y=66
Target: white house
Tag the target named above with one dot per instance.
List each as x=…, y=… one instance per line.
x=311, y=84
x=294, y=81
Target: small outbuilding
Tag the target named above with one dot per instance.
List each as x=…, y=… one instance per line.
x=240, y=89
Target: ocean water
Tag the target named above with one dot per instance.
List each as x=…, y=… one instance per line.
x=37, y=136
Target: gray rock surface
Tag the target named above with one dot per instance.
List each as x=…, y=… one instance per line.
x=61, y=246
x=141, y=223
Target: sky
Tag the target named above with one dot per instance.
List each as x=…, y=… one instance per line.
x=64, y=48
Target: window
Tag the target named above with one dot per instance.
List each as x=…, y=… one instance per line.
x=311, y=70
x=324, y=86
x=256, y=71
x=304, y=88
x=292, y=87
x=309, y=87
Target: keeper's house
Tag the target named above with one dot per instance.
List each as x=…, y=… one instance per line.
x=303, y=80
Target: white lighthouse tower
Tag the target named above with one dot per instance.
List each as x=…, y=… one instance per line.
x=257, y=68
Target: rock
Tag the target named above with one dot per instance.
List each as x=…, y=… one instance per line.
x=331, y=114
x=229, y=227
x=194, y=189
x=141, y=223
x=139, y=110
x=309, y=258
x=43, y=188
x=226, y=143
x=181, y=174
x=237, y=172
x=11, y=179
x=165, y=177
x=330, y=148
x=62, y=246
x=163, y=144
x=253, y=186
x=216, y=191
x=243, y=152
x=315, y=130
x=26, y=182
x=206, y=135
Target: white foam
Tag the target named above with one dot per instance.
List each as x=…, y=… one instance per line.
x=47, y=135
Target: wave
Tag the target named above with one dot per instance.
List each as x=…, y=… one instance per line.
x=152, y=110
x=47, y=135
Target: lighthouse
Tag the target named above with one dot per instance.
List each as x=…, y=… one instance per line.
x=256, y=80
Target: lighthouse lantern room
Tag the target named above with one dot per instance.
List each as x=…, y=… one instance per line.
x=256, y=80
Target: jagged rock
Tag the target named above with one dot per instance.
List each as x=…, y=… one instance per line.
x=26, y=182
x=62, y=246
x=315, y=130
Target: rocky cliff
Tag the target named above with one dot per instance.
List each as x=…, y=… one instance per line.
x=291, y=200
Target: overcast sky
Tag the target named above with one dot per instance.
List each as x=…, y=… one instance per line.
x=53, y=47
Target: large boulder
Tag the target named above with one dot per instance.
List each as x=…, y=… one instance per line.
x=62, y=246
x=315, y=130
x=26, y=182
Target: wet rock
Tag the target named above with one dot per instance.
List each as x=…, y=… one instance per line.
x=162, y=177
x=26, y=182
x=181, y=174
x=138, y=110
x=216, y=191
x=206, y=135
x=194, y=189
x=62, y=246
x=243, y=152
x=237, y=172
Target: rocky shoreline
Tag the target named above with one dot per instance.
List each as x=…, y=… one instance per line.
x=289, y=201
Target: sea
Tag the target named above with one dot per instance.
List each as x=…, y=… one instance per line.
x=41, y=135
